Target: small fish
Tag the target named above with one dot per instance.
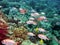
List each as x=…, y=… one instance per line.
x=13, y=8
x=0, y=6
x=43, y=13
x=42, y=30
x=41, y=18
x=57, y=23
x=22, y=11
x=41, y=42
x=35, y=14
x=9, y=42
x=41, y=36
x=30, y=34
x=31, y=22
x=56, y=14
x=31, y=18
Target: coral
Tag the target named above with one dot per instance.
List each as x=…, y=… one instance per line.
x=19, y=34
x=37, y=17
x=3, y=29
x=28, y=42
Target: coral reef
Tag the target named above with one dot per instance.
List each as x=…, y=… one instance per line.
x=30, y=22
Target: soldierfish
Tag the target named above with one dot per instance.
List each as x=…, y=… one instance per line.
x=31, y=22
x=35, y=14
x=31, y=18
x=42, y=30
x=41, y=18
x=22, y=11
x=9, y=42
x=41, y=36
x=30, y=34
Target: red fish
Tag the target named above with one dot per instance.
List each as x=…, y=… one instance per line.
x=41, y=18
x=9, y=42
x=22, y=11
x=44, y=37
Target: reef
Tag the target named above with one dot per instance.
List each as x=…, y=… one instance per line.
x=30, y=22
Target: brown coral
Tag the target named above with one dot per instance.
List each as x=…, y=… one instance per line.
x=19, y=34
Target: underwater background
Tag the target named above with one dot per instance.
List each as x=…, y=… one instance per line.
x=31, y=22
